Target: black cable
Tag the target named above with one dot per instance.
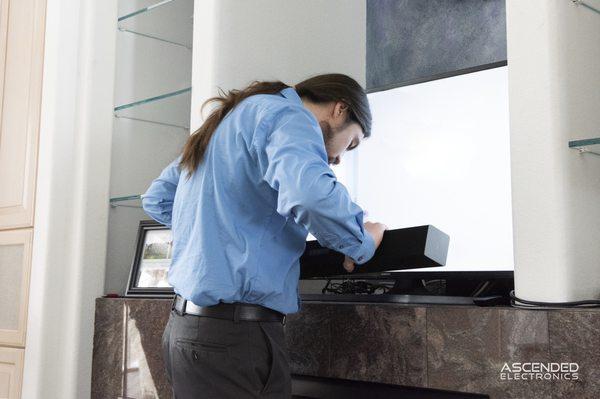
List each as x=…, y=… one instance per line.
x=524, y=303
x=354, y=287
x=326, y=288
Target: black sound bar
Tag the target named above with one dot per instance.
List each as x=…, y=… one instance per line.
x=407, y=248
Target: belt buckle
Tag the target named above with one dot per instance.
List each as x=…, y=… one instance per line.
x=174, y=306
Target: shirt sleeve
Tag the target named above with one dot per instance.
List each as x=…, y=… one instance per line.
x=157, y=201
x=294, y=163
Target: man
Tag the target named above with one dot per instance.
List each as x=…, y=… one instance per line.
x=250, y=184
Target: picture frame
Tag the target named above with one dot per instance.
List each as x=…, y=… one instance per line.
x=151, y=262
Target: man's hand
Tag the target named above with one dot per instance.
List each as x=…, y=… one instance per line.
x=348, y=264
x=376, y=230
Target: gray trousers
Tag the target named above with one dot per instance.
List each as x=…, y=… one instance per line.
x=214, y=358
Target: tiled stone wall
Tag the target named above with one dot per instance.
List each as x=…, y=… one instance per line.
x=127, y=337
x=444, y=347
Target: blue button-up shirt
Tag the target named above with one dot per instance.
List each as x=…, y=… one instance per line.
x=240, y=222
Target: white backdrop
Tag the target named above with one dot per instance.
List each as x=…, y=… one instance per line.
x=440, y=154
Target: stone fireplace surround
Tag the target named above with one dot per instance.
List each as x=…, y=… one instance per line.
x=457, y=348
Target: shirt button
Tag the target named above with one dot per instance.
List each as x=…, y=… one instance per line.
x=360, y=258
x=340, y=247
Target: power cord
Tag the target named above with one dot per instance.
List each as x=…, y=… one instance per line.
x=526, y=304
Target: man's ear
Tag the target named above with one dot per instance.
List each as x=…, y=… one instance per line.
x=340, y=109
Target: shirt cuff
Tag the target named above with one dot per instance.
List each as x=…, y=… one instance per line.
x=365, y=251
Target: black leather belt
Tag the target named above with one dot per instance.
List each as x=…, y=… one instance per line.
x=228, y=311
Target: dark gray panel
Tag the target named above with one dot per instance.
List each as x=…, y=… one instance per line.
x=477, y=342
x=412, y=41
x=574, y=337
x=379, y=343
x=308, y=337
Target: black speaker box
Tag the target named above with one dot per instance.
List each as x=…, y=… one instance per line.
x=407, y=248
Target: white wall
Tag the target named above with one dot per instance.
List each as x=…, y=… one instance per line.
x=71, y=210
x=440, y=155
x=554, y=90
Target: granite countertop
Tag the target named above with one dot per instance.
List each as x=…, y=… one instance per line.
x=460, y=348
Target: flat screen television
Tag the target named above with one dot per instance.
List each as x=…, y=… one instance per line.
x=439, y=154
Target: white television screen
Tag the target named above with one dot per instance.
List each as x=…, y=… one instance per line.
x=439, y=154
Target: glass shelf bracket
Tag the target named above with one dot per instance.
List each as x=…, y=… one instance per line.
x=170, y=109
x=114, y=202
x=586, y=5
x=588, y=145
x=170, y=21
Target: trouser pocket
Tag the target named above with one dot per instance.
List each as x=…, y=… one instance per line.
x=166, y=349
x=198, y=347
x=278, y=379
x=201, y=362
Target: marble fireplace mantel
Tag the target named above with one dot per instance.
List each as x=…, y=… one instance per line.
x=459, y=348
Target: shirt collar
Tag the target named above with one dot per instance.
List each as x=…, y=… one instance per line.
x=291, y=94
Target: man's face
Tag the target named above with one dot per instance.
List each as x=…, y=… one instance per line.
x=338, y=141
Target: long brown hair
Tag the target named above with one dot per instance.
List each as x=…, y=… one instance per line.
x=318, y=89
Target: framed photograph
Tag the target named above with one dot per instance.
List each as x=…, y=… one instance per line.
x=154, y=247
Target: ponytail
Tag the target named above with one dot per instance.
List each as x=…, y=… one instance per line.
x=195, y=147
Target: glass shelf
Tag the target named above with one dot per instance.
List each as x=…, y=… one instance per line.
x=170, y=109
x=587, y=145
x=587, y=5
x=114, y=202
x=170, y=21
